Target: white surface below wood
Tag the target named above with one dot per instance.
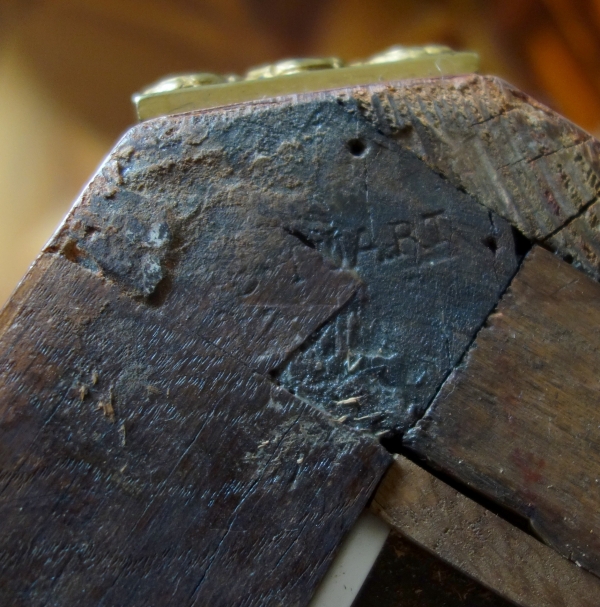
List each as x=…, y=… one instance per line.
x=353, y=563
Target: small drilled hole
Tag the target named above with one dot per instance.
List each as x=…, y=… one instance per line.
x=491, y=243
x=357, y=147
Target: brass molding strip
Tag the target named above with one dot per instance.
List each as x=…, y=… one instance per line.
x=150, y=104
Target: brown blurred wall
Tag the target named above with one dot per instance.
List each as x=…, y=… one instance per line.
x=69, y=67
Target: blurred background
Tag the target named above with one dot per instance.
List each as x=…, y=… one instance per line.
x=69, y=67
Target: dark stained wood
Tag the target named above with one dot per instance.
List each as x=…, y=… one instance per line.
x=478, y=543
x=406, y=575
x=515, y=156
x=225, y=275
x=208, y=208
x=519, y=419
x=146, y=457
x=430, y=261
x=142, y=464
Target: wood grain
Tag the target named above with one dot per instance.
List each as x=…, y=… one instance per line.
x=478, y=543
x=226, y=274
x=519, y=420
x=206, y=208
x=579, y=240
x=142, y=464
x=515, y=156
x=146, y=456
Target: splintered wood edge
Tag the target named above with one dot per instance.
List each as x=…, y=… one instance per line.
x=480, y=544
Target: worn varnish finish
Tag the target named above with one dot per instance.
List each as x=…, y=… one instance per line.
x=478, y=543
x=519, y=420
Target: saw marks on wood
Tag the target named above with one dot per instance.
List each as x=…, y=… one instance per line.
x=519, y=419
x=515, y=156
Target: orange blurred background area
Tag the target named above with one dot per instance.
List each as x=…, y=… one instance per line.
x=68, y=69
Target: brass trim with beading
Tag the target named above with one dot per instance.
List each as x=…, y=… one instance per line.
x=188, y=92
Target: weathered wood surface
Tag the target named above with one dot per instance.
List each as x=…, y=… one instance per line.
x=428, y=262
x=579, y=240
x=143, y=465
x=146, y=457
x=515, y=156
x=480, y=544
x=217, y=260
x=519, y=419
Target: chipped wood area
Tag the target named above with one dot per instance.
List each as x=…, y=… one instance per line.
x=515, y=156
x=220, y=200
x=478, y=543
x=519, y=419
